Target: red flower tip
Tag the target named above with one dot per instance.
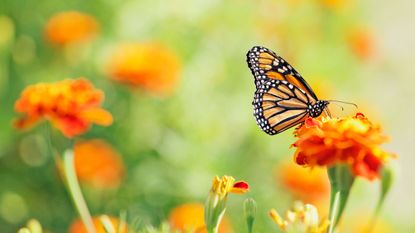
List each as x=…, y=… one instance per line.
x=360, y=115
x=311, y=122
x=241, y=185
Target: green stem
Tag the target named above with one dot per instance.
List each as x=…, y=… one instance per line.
x=334, y=209
x=341, y=182
x=75, y=191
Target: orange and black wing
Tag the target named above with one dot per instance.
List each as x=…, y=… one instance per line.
x=266, y=65
x=279, y=105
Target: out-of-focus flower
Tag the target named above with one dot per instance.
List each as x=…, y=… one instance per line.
x=150, y=66
x=334, y=4
x=216, y=202
x=190, y=217
x=78, y=227
x=70, y=27
x=361, y=223
x=98, y=164
x=310, y=185
x=361, y=43
x=32, y=226
x=351, y=140
x=301, y=219
x=70, y=105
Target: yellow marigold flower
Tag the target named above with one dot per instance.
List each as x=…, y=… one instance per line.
x=190, y=217
x=150, y=66
x=70, y=27
x=361, y=43
x=227, y=184
x=70, y=105
x=78, y=227
x=309, y=185
x=351, y=140
x=216, y=202
x=98, y=164
x=302, y=218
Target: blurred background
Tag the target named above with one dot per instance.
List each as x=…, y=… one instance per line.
x=176, y=81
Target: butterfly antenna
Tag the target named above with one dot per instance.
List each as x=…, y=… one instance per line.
x=343, y=102
x=338, y=105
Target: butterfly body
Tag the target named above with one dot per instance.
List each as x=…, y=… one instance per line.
x=282, y=98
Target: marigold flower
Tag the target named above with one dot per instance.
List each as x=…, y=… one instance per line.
x=351, y=140
x=70, y=105
x=190, y=217
x=302, y=218
x=78, y=227
x=216, y=202
x=361, y=43
x=309, y=185
x=98, y=164
x=70, y=27
x=227, y=184
x=150, y=66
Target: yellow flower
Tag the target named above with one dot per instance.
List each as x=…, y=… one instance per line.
x=70, y=27
x=302, y=218
x=190, y=217
x=227, y=184
x=216, y=202
x=70, y=105
x=150, y=66
x=98, y=164
x=351, y=140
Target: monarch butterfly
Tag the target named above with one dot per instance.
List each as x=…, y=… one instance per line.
x=283, y=99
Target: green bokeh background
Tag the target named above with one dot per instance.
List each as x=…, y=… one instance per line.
x=173, y=146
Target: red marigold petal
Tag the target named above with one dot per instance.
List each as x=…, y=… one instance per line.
x=360, y=115
x=70, y=126
x=369, y=167
x=240, y=187
x=311, y=122
x=300, y=159
x=26, y=122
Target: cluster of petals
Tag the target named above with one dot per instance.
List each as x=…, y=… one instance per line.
x=70, y=105
x=301, y=218
x=351, y=140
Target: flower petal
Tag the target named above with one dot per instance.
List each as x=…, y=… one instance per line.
x=98, y=116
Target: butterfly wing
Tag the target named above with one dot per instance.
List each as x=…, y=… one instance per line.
x=279, y=105
x=265, y=64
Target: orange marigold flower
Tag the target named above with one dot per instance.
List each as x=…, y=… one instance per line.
x=309, y=185
x=352, y=140
x=98, y=164
x=190, y=217
x=70, y=105
x=78, y=227
x=70, y=27
x=361, y=43
x=150, y=66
